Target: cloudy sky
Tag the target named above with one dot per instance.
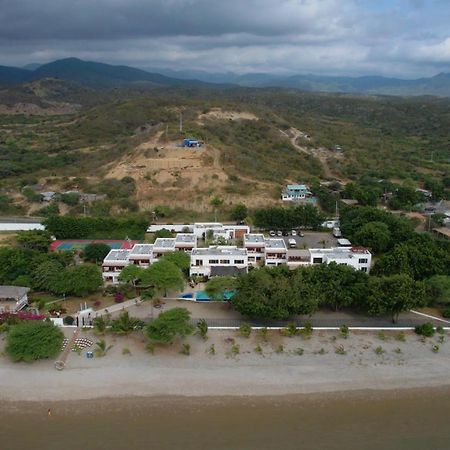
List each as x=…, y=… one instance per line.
x=406, y=38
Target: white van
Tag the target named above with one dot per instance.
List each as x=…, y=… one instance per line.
x=337, y=232
x=292, y=243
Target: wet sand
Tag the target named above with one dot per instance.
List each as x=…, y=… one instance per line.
x=366, y=420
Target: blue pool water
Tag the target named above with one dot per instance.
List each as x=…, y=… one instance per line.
x=202, y=296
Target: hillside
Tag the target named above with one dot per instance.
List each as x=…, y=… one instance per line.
x=127, y=144
x=92, y=74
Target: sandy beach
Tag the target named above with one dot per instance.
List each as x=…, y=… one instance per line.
x=301, y=366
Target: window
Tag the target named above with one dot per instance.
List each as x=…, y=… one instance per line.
x=317, y=261
x=363, y=261
x=363, y=269
x=239, y=261
x=213, y=261
x=198, y=262
x=224, y=261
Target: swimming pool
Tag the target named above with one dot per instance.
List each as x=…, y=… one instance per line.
x=202, y=296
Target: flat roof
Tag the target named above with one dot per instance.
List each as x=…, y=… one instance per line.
x=142, y=249
x=186, y=237
x=117, y=255
x=443, y=230
x=164, y=243
x=254, y=238
x=220, y=250
x=340, y=252
x=344, y=241
x=275, y=243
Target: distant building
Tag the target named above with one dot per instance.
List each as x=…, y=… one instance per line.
x=218, y=261
x=255, y=244
x=48, y=196
x=357, y=257
x=297, y=192
x=275, y=252
x=13, y=298
x=113, y=265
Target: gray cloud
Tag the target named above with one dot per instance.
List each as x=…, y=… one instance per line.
x=399, y=37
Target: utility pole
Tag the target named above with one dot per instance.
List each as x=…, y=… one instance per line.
x=181, y=122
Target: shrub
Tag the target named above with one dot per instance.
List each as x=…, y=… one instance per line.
x=426, y=329
x=202, y=327
x=68, y=320
x=440, y=330
x=258, y=349
x=263, y=332
x=280, y=349
x=31, y=340
x=245, y=330
x=435, y=348
x=307, y=330
x=212, y=350
x=299, y=351
x=400, y=336
x=344, y=331
x=379, y=350
x=235, y=349
x=290, y=330
x=186, y=349
x=119, y=297
x=446, y=313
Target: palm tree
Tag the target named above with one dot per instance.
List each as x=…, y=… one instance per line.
x=125, y=324
x=102, y=348
x=202, y=327
x=100, y=325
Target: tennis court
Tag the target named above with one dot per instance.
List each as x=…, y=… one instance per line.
x=62, y=245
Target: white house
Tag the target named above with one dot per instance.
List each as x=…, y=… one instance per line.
x=357, y=257
x=275, y=252
x=218, y=261
x=185, y=242
x=201, y=228
x=13, y=298
x=113, y=264
x=141, y=255
x=162, y=246
x=255, y=244
x=298, y=257
x=296, y=192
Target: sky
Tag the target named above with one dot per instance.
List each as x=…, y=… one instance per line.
x=399, y=38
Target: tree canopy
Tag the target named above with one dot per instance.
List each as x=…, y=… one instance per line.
x=163, y=275
x=34, y=239
x=216, y=287
x=96, y=252
x=170, y=325
x=31, y=340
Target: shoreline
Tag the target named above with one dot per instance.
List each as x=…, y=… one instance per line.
x=121, y=404
x=317, y=369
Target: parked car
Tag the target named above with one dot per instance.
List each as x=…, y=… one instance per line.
x=292, y=243
x=301, y=234
x=293, y=233
x=285, y=233
x=279, y=233
x=272, y=233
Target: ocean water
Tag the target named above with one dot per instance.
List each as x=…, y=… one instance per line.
x=407, y=420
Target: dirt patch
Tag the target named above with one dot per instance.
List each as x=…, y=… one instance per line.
x=33, y=109
x=219, y=114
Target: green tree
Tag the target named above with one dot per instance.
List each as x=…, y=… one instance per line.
x=31, y=340
x=181, y=259
x=163, y=233
x=394, y=294
x=239, y=212
x=131, y=274
x=163, y=275
x=80, y=280
x=71, y=198
x=38, y=240
x=170, y=325
x=216, y=287
x=438, y=289
x=96, y=252
x=374, y=235
x=46, y=275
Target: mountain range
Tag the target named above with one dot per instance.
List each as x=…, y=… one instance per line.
x=100, y=75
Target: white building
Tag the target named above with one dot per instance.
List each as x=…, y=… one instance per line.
x=141, y=255
x=201, y=228
x=357, y=257
x=275, y=252
x=218, y=261
x=185, y=242
x=298, y=257
x=255, y=244
x=113, y=264
x=162, y=246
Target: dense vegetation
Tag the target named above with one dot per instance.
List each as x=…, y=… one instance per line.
x=96, y=228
